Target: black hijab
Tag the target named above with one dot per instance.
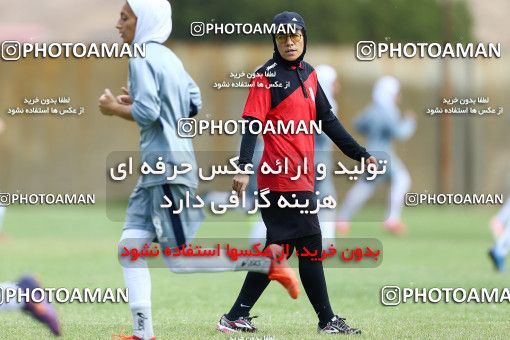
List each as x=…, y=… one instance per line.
x=289, y=18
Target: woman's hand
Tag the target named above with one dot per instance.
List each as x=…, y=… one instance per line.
x=371, y=160
x=124, y=98
x=107, y=103
x=240, y=182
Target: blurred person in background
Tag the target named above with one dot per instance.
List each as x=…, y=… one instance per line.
x=2, y=208
x=500, y=227
x=328, y=78
x=382, y=124
x=497, y=223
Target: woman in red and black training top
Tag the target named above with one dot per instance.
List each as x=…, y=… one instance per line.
x=299, y=99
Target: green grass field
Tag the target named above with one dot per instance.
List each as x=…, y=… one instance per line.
x=76, y=247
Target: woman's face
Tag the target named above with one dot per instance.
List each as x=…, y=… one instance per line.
x=127, y=24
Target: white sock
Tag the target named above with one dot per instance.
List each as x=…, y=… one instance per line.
x=258, y=232
x=138, y=282
x=12, y=304
x=142, y=322
x=327, y=223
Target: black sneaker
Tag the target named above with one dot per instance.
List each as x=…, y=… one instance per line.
x=242, y=324
x=337, y=325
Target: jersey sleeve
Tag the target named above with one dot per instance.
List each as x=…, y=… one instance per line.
x=248, y=143
x=258, y=103
x=332, y=127
x=143, y=87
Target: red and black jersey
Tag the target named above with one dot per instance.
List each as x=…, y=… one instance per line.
x=295, y=95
